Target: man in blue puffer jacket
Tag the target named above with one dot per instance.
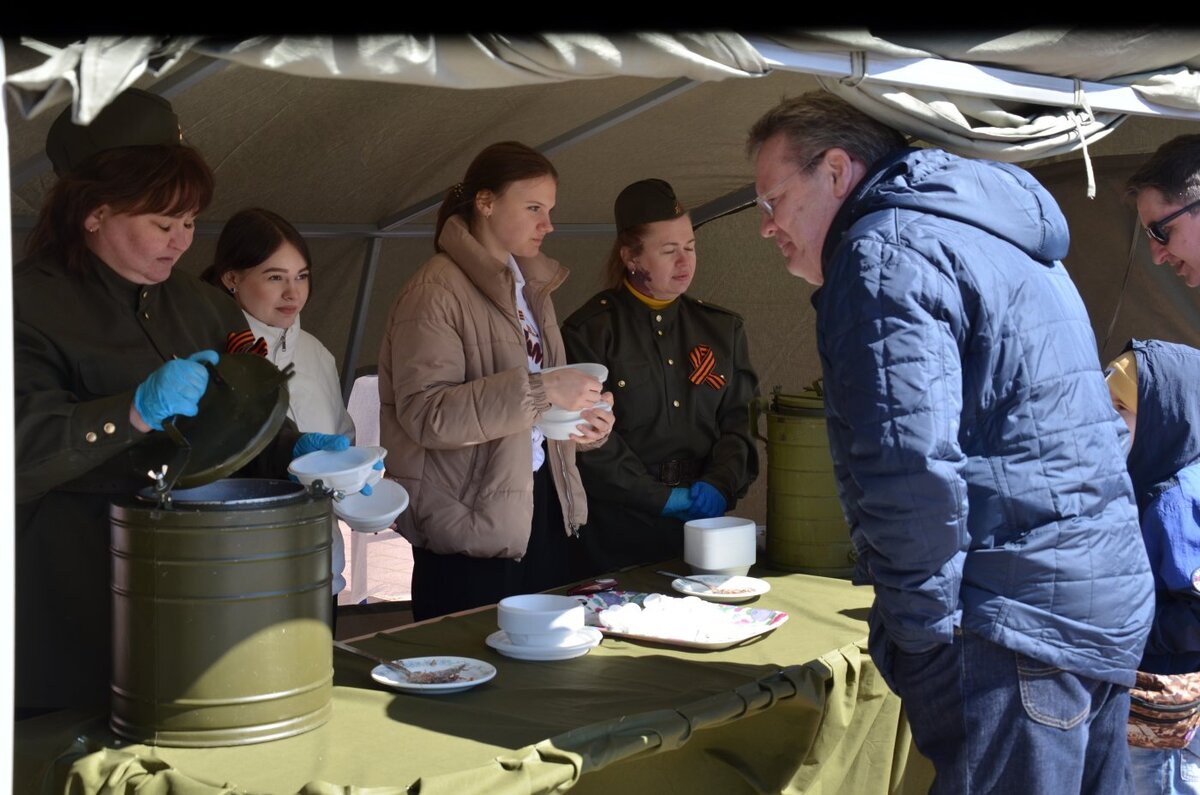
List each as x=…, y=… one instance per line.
x=979, y=461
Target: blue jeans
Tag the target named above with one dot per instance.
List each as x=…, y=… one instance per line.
x=995, y=721
x=1166, y=771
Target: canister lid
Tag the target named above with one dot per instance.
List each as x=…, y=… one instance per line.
x=242, y=409
x=810, y=399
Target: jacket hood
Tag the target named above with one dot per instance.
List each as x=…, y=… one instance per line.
x=999, y=198
x=1167, y=436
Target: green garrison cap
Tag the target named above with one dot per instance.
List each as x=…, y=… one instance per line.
x=645, y=202
x=134, y=118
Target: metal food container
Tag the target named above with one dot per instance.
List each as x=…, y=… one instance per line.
x=806, y=529
x=221, y=591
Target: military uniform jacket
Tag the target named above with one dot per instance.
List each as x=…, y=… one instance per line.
x=83, y=343
x=672, y=400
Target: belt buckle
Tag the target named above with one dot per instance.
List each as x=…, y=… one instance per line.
x=670, y=473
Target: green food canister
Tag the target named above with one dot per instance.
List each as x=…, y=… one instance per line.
x=806, y=529
x=221, y=590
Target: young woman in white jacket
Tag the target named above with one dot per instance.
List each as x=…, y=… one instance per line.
x=264, y=264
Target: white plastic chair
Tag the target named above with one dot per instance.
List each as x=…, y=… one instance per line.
x=364, y=410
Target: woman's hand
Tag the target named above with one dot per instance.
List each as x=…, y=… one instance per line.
x=599, y=423
x=571, y=389
x=174, y=389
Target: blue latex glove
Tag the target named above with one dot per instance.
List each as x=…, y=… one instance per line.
x=707, y=502
x=366, y=490
x=678, y=502
x=312, y=442
x=173, y=389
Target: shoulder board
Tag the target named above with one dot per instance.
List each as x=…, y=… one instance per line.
x=596, y=305
x=714, y=307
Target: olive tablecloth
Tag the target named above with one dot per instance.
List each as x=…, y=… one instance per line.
x=800, y=710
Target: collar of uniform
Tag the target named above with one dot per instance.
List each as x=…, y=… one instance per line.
x=125, y=292
x=660, y=319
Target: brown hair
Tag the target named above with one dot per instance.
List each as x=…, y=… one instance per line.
x=492, y=169
x=248, y=239
x=132, y=180
x=614, y=266
x=1173, y=170
x=816, y=121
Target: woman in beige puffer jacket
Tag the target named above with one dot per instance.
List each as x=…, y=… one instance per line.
x=493, y=503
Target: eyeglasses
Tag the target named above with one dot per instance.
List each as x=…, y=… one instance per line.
x=768, y=205
x=1157, y=230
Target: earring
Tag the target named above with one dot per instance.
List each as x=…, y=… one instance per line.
x=93, y=229
x=233, y=291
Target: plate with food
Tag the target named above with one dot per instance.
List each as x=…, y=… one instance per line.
x=721, y=588
x=686, y=621
x=439, y=675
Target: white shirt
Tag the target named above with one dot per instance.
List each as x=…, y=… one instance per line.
x=315, y=399
x=533, y=352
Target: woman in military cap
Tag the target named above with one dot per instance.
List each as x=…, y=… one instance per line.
x=110, y=341
x=680, y=370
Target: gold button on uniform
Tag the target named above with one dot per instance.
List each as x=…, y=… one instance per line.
x=110, y=428
x=145, y=293
x=621, y=383
x=146, y=315
x=675, y=403
x=671, y=362
x=658, y=318
x=90, y=436
x=603, y=302
x=659, y=332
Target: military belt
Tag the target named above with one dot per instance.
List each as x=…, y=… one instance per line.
x=675, y=472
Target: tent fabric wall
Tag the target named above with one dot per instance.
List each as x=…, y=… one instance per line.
x=336, y=156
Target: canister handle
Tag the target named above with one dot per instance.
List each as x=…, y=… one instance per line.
x=756, y=407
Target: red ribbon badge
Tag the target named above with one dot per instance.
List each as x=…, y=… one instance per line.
x=703, y=361
x=245, y=342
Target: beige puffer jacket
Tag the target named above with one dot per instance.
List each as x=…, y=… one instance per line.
x=457, y=401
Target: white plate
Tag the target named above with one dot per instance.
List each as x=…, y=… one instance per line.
x=476, y=672
x=586, y=639
x=755, y=586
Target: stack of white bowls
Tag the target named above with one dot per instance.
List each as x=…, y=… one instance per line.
x=721, y=545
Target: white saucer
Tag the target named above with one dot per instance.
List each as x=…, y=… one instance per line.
x=754, y=587
x=374, y=512
x=475, y=672
x=577, y=645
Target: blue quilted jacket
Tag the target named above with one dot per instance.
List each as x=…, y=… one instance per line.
x=978, y=457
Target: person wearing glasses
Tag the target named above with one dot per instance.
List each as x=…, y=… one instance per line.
x=1167, y=192
x=979, y=460
x=681, y=446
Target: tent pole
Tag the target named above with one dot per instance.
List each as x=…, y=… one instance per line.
x=359, y=322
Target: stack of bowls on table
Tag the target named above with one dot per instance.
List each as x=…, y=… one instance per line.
x=542, y=627
x=720, y=545
x=559, y=423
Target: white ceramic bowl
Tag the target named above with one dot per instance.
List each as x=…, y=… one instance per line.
x=374, y=512
x=556, y=415
x=720, y=545
x=561, y=428
x=539, y=619
x=344, y=470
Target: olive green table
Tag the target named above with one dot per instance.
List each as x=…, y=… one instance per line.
x=799, y=710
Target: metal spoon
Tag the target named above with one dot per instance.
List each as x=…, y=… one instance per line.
x=395, y=665
x=707, y=587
